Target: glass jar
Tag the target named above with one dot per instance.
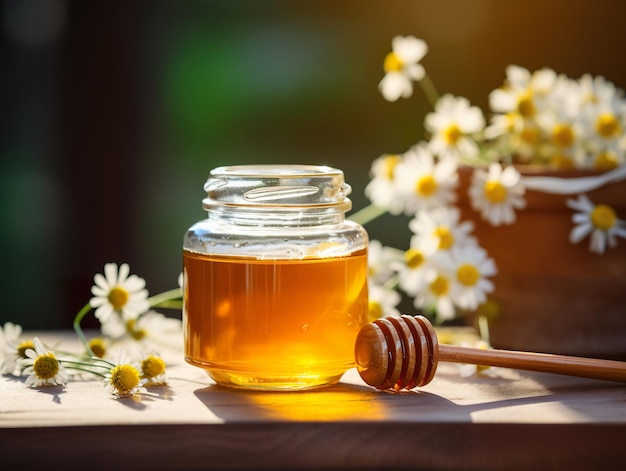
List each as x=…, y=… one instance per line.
x=275, y=279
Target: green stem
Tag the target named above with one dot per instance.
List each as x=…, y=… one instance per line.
x=429, y=89
x=80, y=366
x=171, y=304
x=483, y=328
x=367, y=214
x=79, y=317
x=392, y=282
x=109, y=364
x=162, y=299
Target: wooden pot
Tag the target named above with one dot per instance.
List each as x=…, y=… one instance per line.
x=554, y=296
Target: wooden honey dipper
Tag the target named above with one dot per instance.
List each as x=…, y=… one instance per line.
x=403, y=352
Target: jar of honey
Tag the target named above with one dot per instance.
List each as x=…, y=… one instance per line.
x=275, y=278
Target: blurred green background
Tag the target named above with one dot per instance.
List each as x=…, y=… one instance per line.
x=114, y=112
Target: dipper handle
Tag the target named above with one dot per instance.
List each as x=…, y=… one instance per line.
x=403, y=353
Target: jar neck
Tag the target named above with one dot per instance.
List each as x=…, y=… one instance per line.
x=277, y=195
x=279, y=217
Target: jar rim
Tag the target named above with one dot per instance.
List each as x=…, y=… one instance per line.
x=282, y=170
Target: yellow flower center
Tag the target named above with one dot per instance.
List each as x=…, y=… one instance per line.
x=390, y=163
x=526, y=105
x=426, y=185
x=510, y=120
x=446, y=239
x=562, y=161
x=467, y=274
x=452, y=134
x=375, y=310
x=530, y=135
x=563, y=135
x=393, y=63
x=135, y=333
x=124, y=378
x=439, y=286
x=495, y=192
x=603, y=217
x=605, y=161
x=118, y=297
x=413, y=258
x=152, y=366
x=46, y=366
x=489, y=309
x=607, y=125
x=22, y=347
x=98, y=347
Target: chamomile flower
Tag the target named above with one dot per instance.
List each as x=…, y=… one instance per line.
x=412, y=270
x=517, y=104
x=402, y=67
x=124, y=378
x=381, y=260
x=453, y=125
x=496, y=193
x=382, y=302
x=118, y=297
x=153, y=370
x=98, y=346
x=596, y=89
x=524, y=93
x=606, y=122
x=153, y=329
x=512, y=134
x=422, y=182
x=43, y=367
x=11, y=349
x=435, y=294
x=381, y=189
x=467, y=270
x=440, y=229
x=10, y=333
x=599, y=221
x=562, y=126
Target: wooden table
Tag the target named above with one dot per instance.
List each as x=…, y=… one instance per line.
x=518, y=420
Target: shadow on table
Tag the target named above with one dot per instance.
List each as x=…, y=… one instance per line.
x=346, y=403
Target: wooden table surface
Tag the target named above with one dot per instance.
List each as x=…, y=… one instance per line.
x=517, y=420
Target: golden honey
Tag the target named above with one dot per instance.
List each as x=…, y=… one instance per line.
x=274, y=323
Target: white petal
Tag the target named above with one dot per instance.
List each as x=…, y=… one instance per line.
x=100, y=292
x=501, y=101
x=445, y=309
x=578, y=233
x=393, y=86
x=510, y=176
x=620, y=232
x=97, y=301
x=597, y=243
x=508, y=215
x=104, y=312
x=580, y=218
x=495, y=170
x=101, y=282
x=496, y=214
x=134, y=283
x=415, y=71
x=110, y=273
x=409, y=49
x=123, y=273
